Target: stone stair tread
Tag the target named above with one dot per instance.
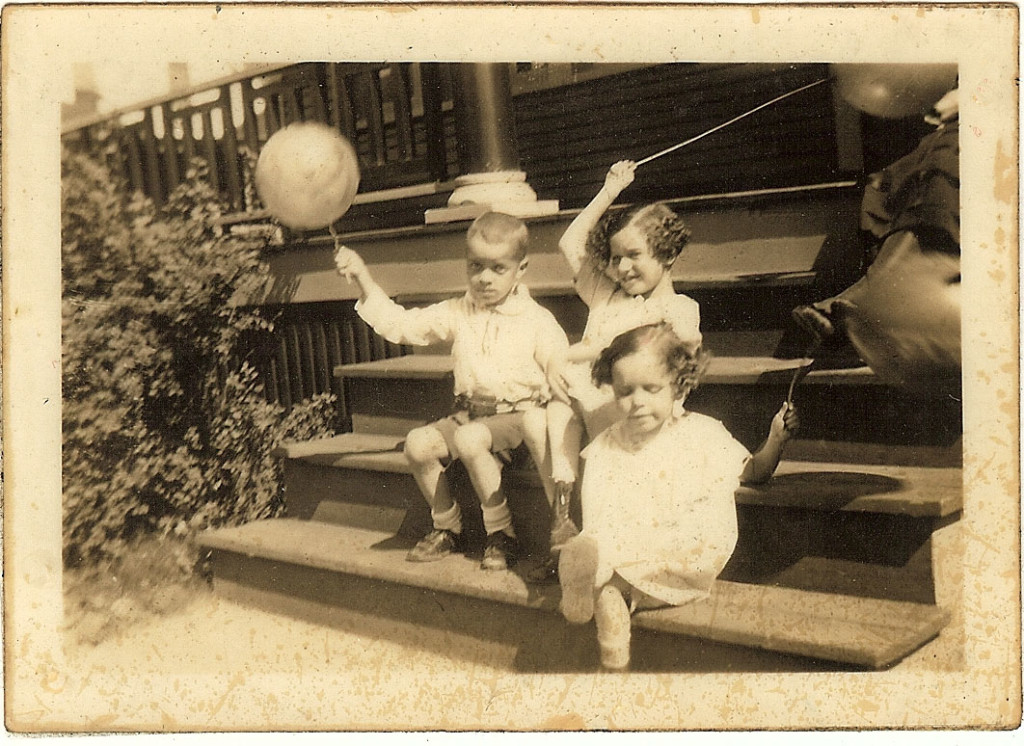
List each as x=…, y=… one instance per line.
x=861, y=631
x=346, y=443
x=420, y=367
x=913, y=491
x=721, y=370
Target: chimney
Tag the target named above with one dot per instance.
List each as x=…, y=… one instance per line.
x=177, y=78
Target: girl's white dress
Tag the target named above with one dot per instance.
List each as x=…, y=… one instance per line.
x=664, y=515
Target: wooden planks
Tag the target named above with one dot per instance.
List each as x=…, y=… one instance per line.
x=864, y=632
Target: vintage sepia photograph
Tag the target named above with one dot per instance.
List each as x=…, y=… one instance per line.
x=511, y=368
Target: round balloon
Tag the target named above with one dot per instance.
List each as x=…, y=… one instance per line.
x=892, y=91
x=307, y=175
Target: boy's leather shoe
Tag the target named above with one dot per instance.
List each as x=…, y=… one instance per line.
x=501, y=552
x=436, y=545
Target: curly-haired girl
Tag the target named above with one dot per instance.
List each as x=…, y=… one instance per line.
x=659, y=514
x=621, y=263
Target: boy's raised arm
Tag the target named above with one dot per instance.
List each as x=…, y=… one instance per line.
x=573, y=243
x=415, y=326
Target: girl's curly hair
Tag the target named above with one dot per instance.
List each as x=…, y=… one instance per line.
x=685, y=363
x=666, y=232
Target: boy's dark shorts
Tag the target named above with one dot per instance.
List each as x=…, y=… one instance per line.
x=506, y=431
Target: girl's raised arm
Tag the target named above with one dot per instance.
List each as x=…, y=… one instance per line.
x=573, y=243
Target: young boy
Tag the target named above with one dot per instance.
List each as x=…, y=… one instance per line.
x=502, y=341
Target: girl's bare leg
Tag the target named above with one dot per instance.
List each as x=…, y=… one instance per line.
x=565, y=433
x=613, y=627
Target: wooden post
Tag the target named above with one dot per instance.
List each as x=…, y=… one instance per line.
x=488, y=153
x=484, y=119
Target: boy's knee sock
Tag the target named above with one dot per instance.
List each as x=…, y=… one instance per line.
x=498, y=518
x=450, y=519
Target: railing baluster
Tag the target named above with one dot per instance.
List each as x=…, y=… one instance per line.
x=138, y=182
x=188, y=141
x=433, y=120
x=270, y=387
x=295, y=363
x=321, y=358
x=335, y=357
x=341, y=103
x=170, y=149
x=317, y=84
x=229, y=149
x=249, y=116
x=210, y=150
x=403, y=111
x=348, y=338
x=363, y=344
x=378, y=349
x=284, y=376
x=304, y=338
x=151, y=162
x=370, y=85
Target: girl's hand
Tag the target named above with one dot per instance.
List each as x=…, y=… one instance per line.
x=348, y=263
x=620, y=176
x=785, y=423
x=556, y=378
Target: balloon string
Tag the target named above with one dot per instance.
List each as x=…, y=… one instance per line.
x=335, y=236
x=775, y=100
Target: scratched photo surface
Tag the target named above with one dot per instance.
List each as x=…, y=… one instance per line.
x=257, y=257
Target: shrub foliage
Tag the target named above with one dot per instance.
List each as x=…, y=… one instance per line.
x=166, y=424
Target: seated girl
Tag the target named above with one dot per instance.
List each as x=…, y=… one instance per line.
x=659, y=513
x=621, y=264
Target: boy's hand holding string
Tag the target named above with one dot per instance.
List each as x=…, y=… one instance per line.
x=352, y=267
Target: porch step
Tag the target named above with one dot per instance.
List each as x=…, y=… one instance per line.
x=271, y=557
x=837, y=405
x=721, y=370
x=871, y=530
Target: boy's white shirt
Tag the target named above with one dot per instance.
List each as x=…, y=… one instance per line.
x=499, y=351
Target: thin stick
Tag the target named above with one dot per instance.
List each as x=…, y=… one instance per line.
x=775, y=100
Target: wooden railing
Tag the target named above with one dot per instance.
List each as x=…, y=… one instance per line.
x=309, y=341
x=393, y=113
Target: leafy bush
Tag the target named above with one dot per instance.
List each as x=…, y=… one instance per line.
x=166, y=424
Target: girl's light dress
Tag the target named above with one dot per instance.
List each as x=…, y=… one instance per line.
x=664, y=516
x=612, y=311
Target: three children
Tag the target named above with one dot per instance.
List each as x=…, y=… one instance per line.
x=659, y=520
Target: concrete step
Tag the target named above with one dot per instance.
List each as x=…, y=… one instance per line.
x=873, y=530
x=837, y=405
x=285, y=562
x=322, y=473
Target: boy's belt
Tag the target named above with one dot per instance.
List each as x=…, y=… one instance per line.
x=488, y=406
